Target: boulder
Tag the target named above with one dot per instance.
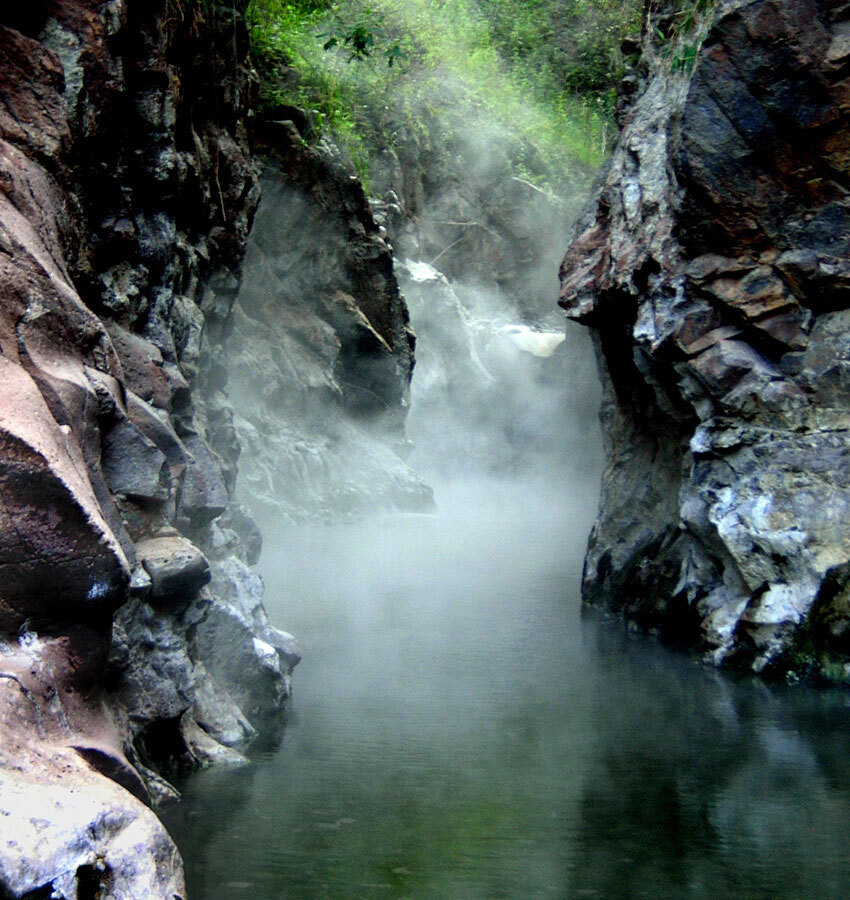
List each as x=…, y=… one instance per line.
x=233, y=640
x=69, y=833
x=74, y=810
x=176, y=567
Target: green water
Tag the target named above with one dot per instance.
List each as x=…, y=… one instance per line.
x=459, y=732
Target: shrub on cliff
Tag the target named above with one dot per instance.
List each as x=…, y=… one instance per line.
x=540, y=69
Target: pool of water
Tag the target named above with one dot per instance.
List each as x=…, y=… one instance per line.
x=460, y=731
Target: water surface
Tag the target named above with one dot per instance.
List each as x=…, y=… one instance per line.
x=458, y=731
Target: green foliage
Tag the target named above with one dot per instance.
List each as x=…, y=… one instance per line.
x=566, y=46
x=680, y=44
x=685, y=59
x=542, y=70
x=361, y=36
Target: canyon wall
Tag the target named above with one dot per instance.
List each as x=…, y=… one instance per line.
x=320, y=315
x=133, y=640
x=713, y=267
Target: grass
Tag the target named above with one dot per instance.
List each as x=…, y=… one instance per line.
x=493, y=61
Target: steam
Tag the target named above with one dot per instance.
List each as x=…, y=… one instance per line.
x=499, y=405
x=502, y=423
x=395, y=610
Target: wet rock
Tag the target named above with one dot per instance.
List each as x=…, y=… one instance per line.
x=713, y=265
x=205, y=749
x=55, y=527
x=230, y=639
x=217, y=713
x=288, y=648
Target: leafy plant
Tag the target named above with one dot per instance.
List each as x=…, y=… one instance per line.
x=682, y=41
x=361, y=37
x=542, y=70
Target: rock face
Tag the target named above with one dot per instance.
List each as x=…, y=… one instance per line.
x=320, y=315
x=133, y=640
x=713, y=267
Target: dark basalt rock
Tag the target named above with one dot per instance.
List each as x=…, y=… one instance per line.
x=176, y=567
x=713, y=266
x=133, y=465
x=321, y=350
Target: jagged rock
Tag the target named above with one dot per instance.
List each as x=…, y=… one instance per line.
x=235, y=529
x=106, y=242
x=176, y=567
x=203, y=496
x=713, y=265
x=122, y=295
x=56, y=526
x=319, y=313
x=142, y=366
x=233, y=639
x=52, y=529
x=288, y=648
x=151, y=673
x=133, y=465
x=217, y=713
x=313, y=200
x=156, y=427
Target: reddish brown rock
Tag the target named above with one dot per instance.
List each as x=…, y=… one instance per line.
x=126, y=184
x=55, y=525
x=142, y=366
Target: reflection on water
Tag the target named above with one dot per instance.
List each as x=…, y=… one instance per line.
x=459, y=732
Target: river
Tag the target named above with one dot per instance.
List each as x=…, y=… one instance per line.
x=459, y=730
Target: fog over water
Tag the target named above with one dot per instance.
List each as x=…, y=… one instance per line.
x=459, y=730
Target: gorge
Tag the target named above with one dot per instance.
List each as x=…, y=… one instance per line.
x=247, y=387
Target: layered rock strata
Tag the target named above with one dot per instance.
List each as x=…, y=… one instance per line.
x=133, y=639
x=714, y=268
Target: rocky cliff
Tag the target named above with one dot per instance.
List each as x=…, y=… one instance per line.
x=320, y=315
x=714, y=269
x=133, y=639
